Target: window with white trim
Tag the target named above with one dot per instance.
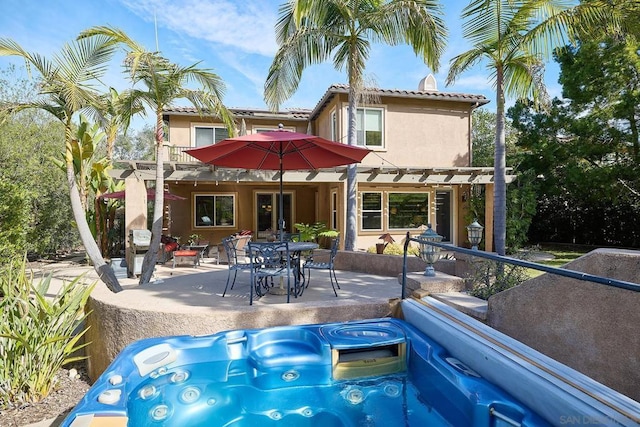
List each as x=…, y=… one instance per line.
x=209, y=135
x=408, y=210
x=370, y=127
x=371, y=211
x=334, y=210
x=214, y=210
x=333, y=118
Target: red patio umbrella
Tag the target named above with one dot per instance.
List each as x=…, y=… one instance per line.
x=279, y=150
x=151, y=194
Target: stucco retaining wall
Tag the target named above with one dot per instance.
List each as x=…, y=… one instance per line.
x=385, y=265
x=114, y=327
x=188, y=301
x=590, y=327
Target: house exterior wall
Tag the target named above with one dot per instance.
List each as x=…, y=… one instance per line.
x=181, y=127
x=417, y=132
x=181, y=217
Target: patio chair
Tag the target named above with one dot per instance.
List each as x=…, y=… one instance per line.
x=315, y=264
x=236, y=259
x=268, y=261
x=288, y=237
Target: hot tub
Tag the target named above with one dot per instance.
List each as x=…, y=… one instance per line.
x=365, y=373
x=379, y=372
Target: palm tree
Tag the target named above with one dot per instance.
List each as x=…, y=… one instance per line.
x=311, y=31
x=513, y=38
x=66, y=89
x=157, y=84
x=115, y=115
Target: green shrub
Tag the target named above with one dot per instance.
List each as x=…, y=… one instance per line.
x=397, y=249
x=490, y=277
x=316, y=232
x=15, y=216
x=38, y=333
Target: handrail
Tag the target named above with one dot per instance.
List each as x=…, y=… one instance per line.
x=528, y=264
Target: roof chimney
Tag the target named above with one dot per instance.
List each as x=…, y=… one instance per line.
x=428, y=84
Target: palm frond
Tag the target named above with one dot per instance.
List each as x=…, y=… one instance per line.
x=113, y=35
x=9, y=47
x=463, y=62
x=418, y=23
x=549, y=26
x=306, y=47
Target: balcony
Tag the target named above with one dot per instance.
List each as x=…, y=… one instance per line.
x=176, y=153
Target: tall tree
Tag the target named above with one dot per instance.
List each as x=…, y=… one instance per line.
x=586, y=148
x=312, y=31
x=115, y=114
x=513, y=37
x=28, y=165
x=158, y=83
x=67, y=87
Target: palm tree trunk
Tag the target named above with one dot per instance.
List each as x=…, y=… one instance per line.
x=350, y=240
x=104, y=271
x=149, y=262
x=500, y=186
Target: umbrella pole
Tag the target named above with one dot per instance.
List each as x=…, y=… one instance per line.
x=281, y=208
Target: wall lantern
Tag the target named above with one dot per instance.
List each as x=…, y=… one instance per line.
x=474, y=233
x=429, y=253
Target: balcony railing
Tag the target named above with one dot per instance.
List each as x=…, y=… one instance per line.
x=176, y=153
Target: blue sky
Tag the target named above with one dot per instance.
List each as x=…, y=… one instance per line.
x=234, y=38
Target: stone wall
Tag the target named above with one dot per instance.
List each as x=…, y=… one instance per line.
x=590, y=327
x=385, y=265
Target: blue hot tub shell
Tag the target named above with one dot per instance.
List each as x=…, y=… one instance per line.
x=342, y=374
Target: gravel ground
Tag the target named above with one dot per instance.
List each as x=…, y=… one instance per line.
x=68, y=392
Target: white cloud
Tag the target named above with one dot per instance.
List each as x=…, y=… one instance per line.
x=472, y=83
x=247, y=25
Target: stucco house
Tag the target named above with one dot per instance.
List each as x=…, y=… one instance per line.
x=418, y=172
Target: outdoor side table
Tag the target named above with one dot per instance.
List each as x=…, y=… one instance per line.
x=186, y=257
x=199, y=248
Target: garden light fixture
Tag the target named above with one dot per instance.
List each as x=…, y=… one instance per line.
x=429, y=253
x=474, y=233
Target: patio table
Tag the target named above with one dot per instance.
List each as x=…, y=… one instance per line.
x=295, y=252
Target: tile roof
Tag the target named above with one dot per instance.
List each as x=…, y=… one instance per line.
x=304, y=114
x=400, y=93
x=289, y=114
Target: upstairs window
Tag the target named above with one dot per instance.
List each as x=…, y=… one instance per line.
x=369, y=127
x=209, y=135
x=333, y=118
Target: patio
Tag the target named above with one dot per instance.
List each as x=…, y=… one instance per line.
x=188, y=300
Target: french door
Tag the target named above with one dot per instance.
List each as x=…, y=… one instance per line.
x=267, y=212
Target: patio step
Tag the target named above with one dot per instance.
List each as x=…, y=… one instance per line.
x=439, y=283
x=464, y=303
x=447, y=289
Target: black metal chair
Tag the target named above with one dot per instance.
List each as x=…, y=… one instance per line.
x=236, y=260
x=314, y=264
x=269, y=260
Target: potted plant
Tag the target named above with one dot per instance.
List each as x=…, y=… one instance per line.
x=386, y=239
x=315, y=232
x=194, y=239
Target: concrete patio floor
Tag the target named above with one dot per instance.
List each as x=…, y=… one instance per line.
x=202, y=286
x=187, y=300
